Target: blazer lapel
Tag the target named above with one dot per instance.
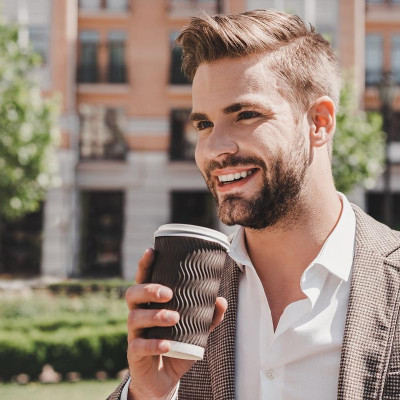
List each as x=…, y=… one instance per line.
x=221, y=342
x=372, y=312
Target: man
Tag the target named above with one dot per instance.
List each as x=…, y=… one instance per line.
x=311, y=283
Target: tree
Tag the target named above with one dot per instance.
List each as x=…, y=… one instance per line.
x=359, y=144
x=28, y=129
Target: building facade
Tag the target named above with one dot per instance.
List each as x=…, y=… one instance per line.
x=127, y=150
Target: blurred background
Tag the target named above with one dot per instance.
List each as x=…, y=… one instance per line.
x=125, y=147
x=125, y=154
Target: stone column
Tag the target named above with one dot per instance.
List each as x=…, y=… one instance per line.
x=146, y=207
x=59, y=250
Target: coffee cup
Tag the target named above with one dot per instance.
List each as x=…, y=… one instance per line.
x=189, y=259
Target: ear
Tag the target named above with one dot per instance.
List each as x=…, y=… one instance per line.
x=322, y=119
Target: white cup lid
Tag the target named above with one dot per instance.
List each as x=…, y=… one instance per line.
x=192, y=231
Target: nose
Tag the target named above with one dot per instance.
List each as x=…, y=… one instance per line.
x=221, y=142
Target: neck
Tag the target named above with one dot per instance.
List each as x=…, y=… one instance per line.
x=280, y=254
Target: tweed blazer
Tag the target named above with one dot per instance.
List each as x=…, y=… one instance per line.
x=370, y=356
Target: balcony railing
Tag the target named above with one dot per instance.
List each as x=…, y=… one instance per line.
x=373, y=77
x=101, y=134
x=88, y=74
x=116, y=73
x=396, y=76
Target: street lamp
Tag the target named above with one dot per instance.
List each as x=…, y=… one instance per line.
x=387, y=91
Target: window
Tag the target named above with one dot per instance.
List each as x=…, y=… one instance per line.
x=193, y=6
x=395, y=58
x=395, y=127
x=326, y=17
x=102, y=231
x=101, y=135
x=376, y=204
x=296, y=7
x=90, y=5
x=111, y=5
x=183, y=136
x=177, y=76
x=117, y=5
x=373, y=59
x=88, y=66
x=383, y=1
x=193, y=207
x=323, y=14
x=39, y=39
x=21, y=244
x=291, y=6
x=116, y=57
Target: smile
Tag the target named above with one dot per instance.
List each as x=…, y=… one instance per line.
x=234, y=177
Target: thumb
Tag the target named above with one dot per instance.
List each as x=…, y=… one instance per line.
x=221, y=306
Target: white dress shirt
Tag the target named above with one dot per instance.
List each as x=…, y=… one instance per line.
x=300, y=360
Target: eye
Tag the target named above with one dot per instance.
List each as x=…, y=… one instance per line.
x=248, y=115
x=201, y=125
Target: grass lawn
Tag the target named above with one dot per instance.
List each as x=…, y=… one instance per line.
x=87, y=390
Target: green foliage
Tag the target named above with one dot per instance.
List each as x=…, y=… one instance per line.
x=28, y=124
x=42, y=305
x=74, y=334
x=113, y=287
x=87, y=390
x=359, y=144
x=85, y=350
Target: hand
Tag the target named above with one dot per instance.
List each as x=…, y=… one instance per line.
x=153, y=376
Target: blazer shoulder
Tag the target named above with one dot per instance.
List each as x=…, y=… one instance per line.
x=377, y=237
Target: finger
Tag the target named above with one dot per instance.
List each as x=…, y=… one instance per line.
x=138, y=319
x=221, y=306
x=147, y=293
x=143, y=273
x=139, y=348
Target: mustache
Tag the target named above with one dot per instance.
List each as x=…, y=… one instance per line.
x=233, y=161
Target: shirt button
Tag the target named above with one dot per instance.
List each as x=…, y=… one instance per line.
x=271, y=374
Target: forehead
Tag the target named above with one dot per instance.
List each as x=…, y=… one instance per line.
x=230, y=80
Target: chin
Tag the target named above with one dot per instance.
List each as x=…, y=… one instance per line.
x=239, y=212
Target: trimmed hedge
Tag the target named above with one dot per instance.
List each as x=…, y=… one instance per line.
x=114, y=287
x=73, y=334
x=67, y=321
x=84, y=350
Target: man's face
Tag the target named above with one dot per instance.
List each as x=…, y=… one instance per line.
x=252, y=154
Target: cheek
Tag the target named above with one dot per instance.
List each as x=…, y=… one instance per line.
x=198, y=156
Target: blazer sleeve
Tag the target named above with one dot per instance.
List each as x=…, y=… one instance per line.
x=117, y=392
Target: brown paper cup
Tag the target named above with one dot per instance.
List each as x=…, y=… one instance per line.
x=189, y=259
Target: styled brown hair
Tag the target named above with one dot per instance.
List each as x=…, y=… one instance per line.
x=302, y=60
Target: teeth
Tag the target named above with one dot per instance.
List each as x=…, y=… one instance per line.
x=235, y=176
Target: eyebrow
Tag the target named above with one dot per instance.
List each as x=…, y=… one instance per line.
x=227, y=110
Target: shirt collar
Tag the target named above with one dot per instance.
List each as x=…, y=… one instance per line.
x=336, y=254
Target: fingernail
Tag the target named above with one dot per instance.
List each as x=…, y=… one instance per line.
x=164, y=346
x=164, y=293
x=170, y=316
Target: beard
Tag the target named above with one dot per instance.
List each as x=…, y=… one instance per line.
x=277, y=198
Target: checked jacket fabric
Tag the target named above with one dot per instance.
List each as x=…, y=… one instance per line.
x=370, y=357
